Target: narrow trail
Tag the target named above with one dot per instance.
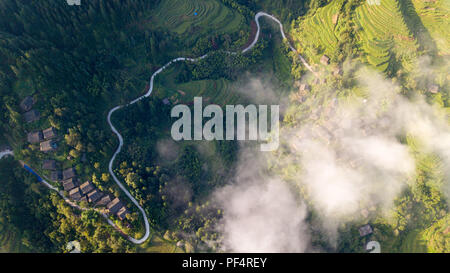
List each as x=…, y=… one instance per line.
x=149, y=92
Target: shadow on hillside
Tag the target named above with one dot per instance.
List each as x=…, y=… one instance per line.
x=415, y=25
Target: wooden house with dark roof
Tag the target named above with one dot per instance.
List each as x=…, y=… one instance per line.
x=325, y=60
x=35, y=137
x=94, y=196
x=104, y=200
x=122, y=213
x=49, y=133
x=49, y=164
x=69, y=184
x=75, y=194
x=434, y=89
x=86, y=187
x=56, y=176
x=69, y=173
x=114, y=206
x=365, y=230
x=30, y=116
x=48, y=146
x=27, y=103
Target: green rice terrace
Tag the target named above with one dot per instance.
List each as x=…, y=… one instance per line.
x=384, y=35
x=193, y=17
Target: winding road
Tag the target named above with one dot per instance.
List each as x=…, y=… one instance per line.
x=148, y=93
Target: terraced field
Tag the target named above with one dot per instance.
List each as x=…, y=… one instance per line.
x=385, y=35
x=319, y=31
x=189, y=16
x=213, y=91
x=435, y=17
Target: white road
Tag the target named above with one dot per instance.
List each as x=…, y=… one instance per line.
x=6, y=153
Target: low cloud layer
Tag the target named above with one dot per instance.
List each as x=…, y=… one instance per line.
x=261, y=214
x=346, y=155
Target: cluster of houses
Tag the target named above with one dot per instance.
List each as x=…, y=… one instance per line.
x=85, y=192
x=46, y=138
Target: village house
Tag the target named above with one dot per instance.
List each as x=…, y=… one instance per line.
x=75, y=194
x=27, y=103
x=114, y=206
x=49, y=165
x=122, y=213
x=304, y=87
x=70, y=184
x=69, y=173
x=94, y=196
x=49, y=133
x=325, y=60
x=337, y=71
x=104, y=201
x=48, y=146
x=35, y=137
x=86, y=187
x=365, y=230
x=31, y=116
x=56, y=176
x=433, y=89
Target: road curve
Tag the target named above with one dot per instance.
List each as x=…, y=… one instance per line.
x=6, y=153
x=149, y=92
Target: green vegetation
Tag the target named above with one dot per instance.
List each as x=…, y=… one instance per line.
x=79, y=62
x=34, y=220
x=196, y=17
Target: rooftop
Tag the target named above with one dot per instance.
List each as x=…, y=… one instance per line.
x=70, y=184
x=94, y=196
x=48, y=146
x=49, y=164
x=69, y=173
x=35, y=137
x=325, y=60
x=365, y=230
x=86, y=187
x=114, y=206
x=75, y=194
x=31, y=116
x=27, y=103
x=49, y=133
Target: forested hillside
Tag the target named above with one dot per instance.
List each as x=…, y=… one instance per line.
x=65, y=67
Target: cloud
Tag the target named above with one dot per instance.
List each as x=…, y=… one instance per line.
x=261, y=214
x=343, y=156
